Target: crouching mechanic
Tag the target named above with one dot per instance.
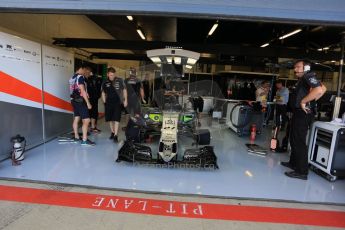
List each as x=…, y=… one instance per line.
x=81, y=105
x=113, y=93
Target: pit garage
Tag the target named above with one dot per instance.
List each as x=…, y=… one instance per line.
x=202, y=64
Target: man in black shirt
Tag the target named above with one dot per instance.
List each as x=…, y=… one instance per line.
x=147, y=88
x=306, y=91
x=94, y=90
x=113, y=94
x=135, y=93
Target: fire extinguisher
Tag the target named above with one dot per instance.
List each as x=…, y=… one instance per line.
x=19, y=144
x=252, y=133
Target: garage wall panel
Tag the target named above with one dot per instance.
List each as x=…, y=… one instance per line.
x=29, y=78
x=20, y=69
x=58, y=67
x=19, y=119
x=20, y=91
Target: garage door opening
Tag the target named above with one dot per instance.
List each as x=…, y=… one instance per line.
x=39, y=54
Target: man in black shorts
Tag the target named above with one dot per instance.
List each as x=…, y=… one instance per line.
x=94, y=91
x=113, y=91
x=81, y=105
x=135, y=93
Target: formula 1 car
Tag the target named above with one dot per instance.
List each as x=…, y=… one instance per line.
x=168, y=146
x=133, y=152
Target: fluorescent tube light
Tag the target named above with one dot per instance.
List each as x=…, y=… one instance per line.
x=322, y=49
x=214, y=27
x=141, y=34
x=290, y=34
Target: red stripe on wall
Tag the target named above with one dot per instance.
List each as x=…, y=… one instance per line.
x=54, y=101
x=15, y=87
x=174, y=208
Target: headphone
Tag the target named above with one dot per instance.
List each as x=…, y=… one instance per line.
x=132, y=71
x=306, y=68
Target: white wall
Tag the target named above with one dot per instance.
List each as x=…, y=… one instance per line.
x=31, y=73
x=20, y=71
x=20, y=92
x=58, y=67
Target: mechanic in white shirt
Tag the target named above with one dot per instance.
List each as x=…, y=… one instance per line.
x=282, y=98
x=262, y=94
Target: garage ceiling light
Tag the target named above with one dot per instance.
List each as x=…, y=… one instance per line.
x=177, y=60
x=207, y=55
x=156, y=59
x=214, y=27
x=141, y=34
x=173, y=55
x=316, y=29
x=290, y=34
x=189, y=66
x=130, y=18
x=322, y=49
x=191, y=61
x=264, y=45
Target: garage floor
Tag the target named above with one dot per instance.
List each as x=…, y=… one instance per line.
x=240, y=174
